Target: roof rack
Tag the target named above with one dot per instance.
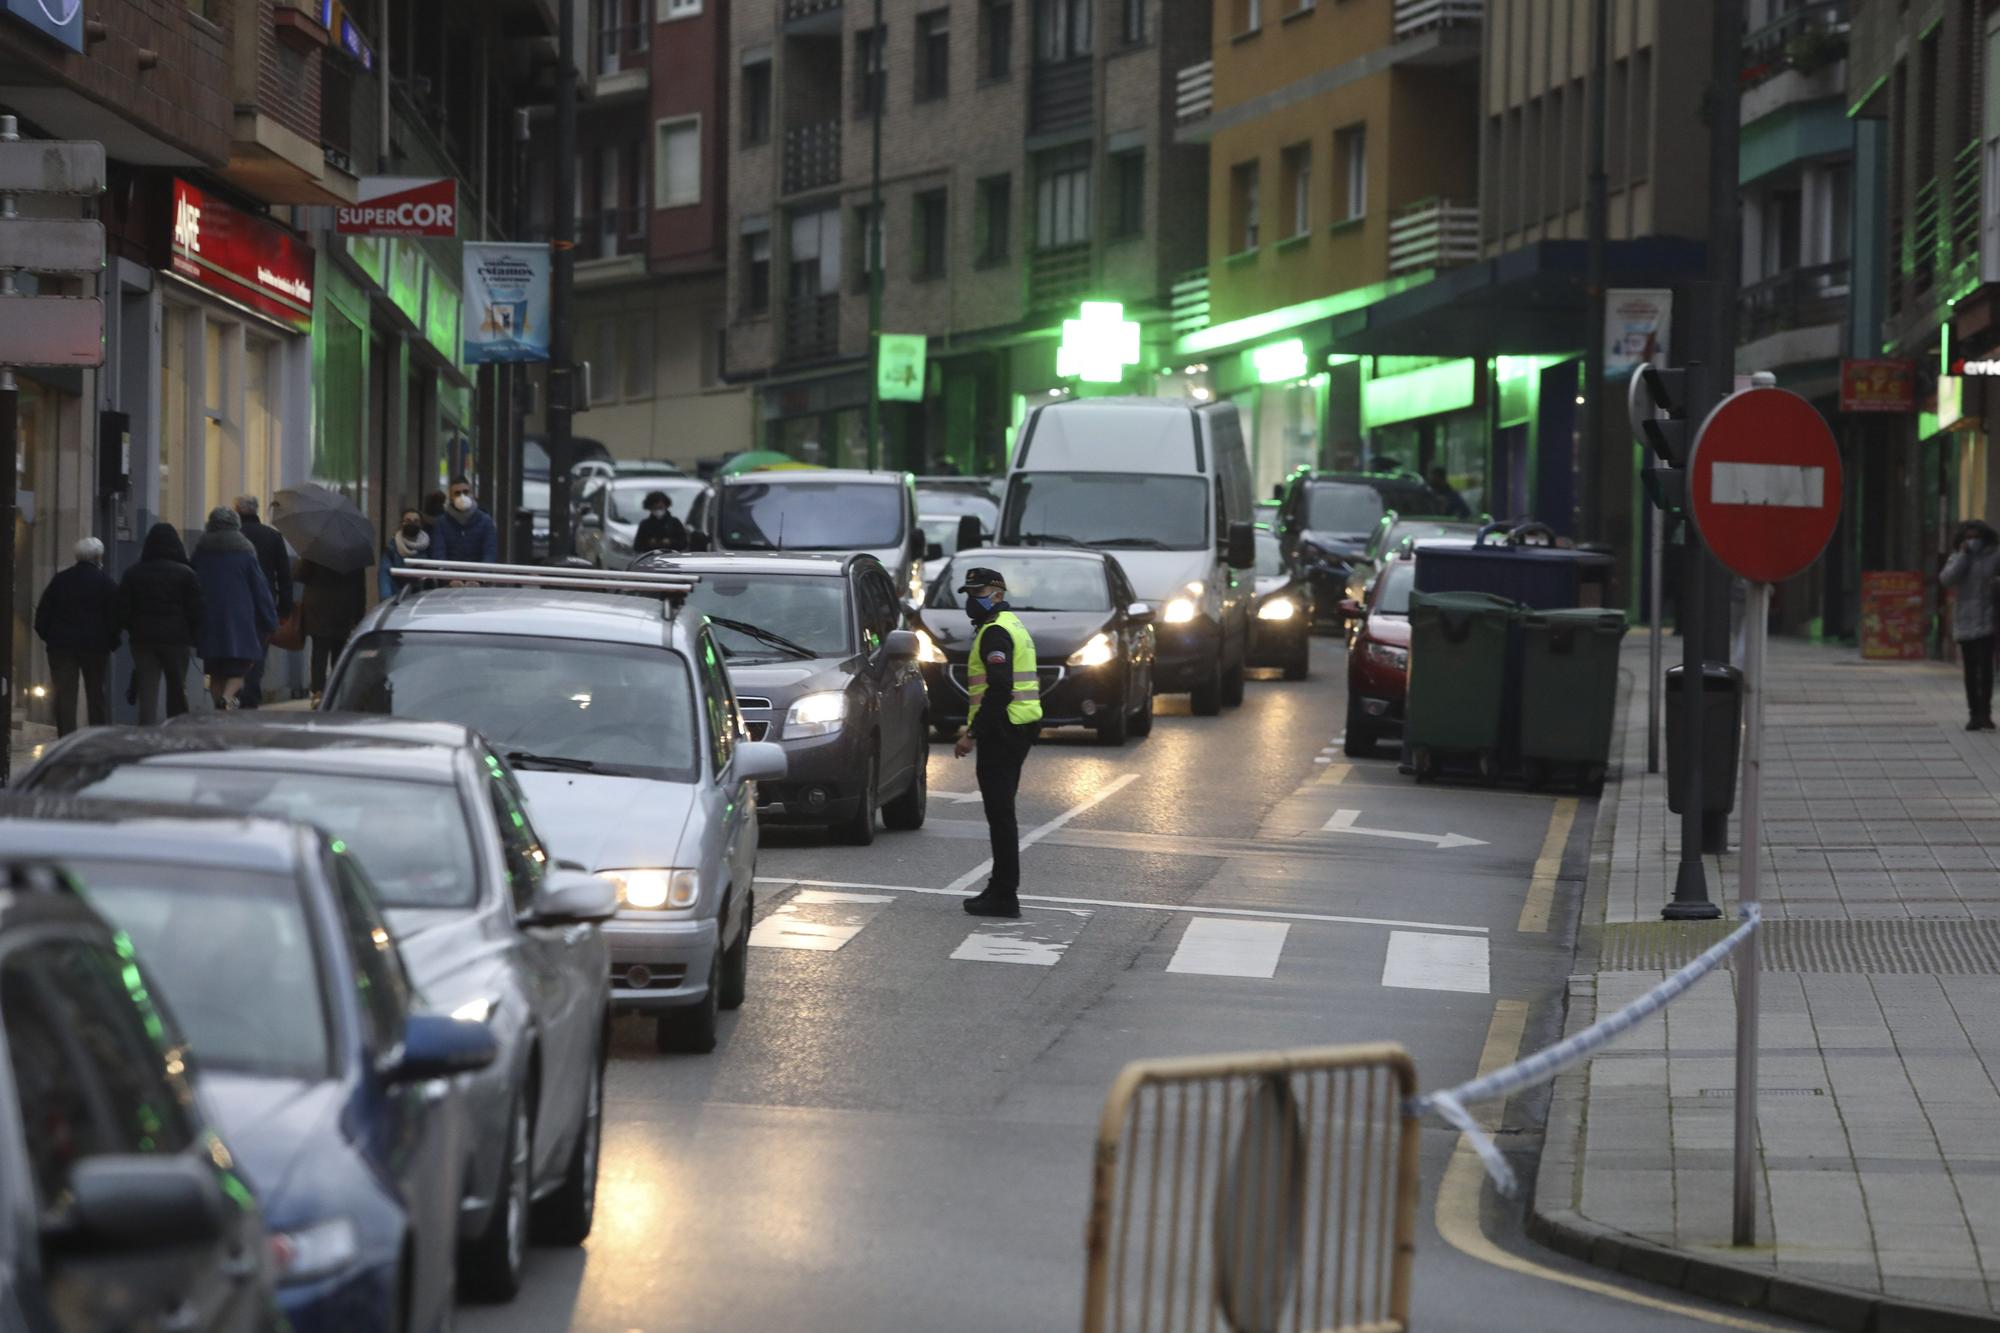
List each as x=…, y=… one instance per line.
x=671, y=588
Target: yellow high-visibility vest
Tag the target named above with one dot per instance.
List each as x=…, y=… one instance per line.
x=1026, y=705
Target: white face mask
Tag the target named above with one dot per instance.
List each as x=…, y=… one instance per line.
x=657, y=513
x=462, y=503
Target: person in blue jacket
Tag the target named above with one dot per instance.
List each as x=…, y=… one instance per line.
x=410, y=541
x=465, y=531
x=239, y=612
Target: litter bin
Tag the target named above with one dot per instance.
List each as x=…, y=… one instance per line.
x=1537, y=575
x=1721, y=727
x=1569, y=692
x=1462, y=663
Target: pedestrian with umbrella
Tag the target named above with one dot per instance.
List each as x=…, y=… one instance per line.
x=239, y=611
x=336, y=546
x=331, y=606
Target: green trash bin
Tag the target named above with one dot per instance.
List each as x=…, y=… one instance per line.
x=1569, y=693
x=1461, y=665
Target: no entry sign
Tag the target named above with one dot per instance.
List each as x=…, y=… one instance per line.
x=1765, y=484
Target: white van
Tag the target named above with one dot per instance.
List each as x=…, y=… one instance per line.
x=1165, y=483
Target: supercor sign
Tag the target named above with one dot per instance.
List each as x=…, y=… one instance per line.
x=401, y=206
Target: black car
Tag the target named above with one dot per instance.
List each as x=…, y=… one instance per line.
x=1094, y=639
x=119, y=1206
x=822, y=666
x=1325, y=521
x=1282, y=610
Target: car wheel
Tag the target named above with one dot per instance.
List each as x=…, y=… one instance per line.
x=859, y=828
x=565, y=1217
x=1113, y=725
x=1205, y=700
x=736, y=962
x=1425, y=762
x=1142, y=721
x=1359, y=741
x=905, y=814
x=691, y=1029
x=1232, y=686
x=492, y=1265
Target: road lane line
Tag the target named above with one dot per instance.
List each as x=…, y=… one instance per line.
x=1035, y=835
x=1212, y=947
x=1457, y=1213
x=1038, y=939
x=1417, y=961
x=1548, y=867
x=1170, y=908
x=818, y=920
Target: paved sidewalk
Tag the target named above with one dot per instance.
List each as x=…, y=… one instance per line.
x=1879, y=1119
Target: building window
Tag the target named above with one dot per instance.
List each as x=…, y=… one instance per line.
x=996, y=219
x=757, y=273
x=931, y=234
x=1133, y=27
x=1350, y=164
x=814, y=269
x=1128, y=194
x=1062, y=30
x=1244, y=226
x=1062, y=199
x=677, y=163
x=1249, y=15
x=870, y=76
x=756, y=103
x=1298, y=171
x=867, y=255
x=679, y=9
x=933, y=55
x=996, y=39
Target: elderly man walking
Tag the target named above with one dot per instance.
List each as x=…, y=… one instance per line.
x=77, y=620
x=276, y=562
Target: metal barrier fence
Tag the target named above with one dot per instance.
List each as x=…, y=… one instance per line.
x=1259, y=1193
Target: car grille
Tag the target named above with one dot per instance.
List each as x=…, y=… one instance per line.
x=757, y=730
x=751, y=703
x=643, y=976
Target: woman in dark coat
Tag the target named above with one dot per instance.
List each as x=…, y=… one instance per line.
x=241, y=613
x=160, y=609
x=332, y=606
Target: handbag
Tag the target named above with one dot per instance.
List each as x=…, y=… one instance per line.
x=291, y=631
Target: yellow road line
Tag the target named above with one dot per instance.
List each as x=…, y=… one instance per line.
x=1464, y=1178
x=1335, y=774
x=1548, y=866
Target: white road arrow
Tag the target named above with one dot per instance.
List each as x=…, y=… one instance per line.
x=955, y=797
x=1343, y=822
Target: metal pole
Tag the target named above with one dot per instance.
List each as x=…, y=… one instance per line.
x=1588, y=504
x=562, y=296
x=1655, y=647
x=1744, y=1230
x=872, y=243
x=10, y=450
x=1706, y=375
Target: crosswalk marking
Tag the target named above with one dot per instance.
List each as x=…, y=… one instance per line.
x=1417, y=961
x=1038, y=939
x=819, y=920
x=1213, y=947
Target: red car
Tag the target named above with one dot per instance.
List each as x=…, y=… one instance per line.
x=1378, y=657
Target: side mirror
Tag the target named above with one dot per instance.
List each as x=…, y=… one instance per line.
x=142, y=1201
x=933, y=551
x=1241, y=552
x=570, y=897
x=1139, y=613
x=900, y=645
x=971, y=536
x=759, y=761
x=438, y=1047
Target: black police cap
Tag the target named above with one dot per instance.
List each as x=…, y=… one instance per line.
x=981, y=577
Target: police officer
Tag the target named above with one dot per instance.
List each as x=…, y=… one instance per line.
x=1006, y=717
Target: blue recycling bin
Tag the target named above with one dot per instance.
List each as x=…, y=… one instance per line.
x=1510, y=564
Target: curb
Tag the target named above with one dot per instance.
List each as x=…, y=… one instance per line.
x=1560, y=1227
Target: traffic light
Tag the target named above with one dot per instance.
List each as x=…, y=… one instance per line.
x=1657, y=403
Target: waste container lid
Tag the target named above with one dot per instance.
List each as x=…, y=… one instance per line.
x=1715, y=676
x=1580, y=618
x=1463, y=601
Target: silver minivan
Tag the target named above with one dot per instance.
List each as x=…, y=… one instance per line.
x=825, y=510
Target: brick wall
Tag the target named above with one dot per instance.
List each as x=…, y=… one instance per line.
x=285, y=83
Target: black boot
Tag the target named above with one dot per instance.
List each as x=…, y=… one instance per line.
x=993, y=902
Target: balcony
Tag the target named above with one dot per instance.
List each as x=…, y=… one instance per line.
x=1194, y=92
x=624, y=62
x=1059, y=277
x=1189, y=311
x=812, y=327
x=1060, y=96
x=1432, y=234
x=812, y=156
x=1415, y=17
x=1798, y=298
x=1807, y=39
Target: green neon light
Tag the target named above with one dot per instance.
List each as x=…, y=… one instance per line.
x=1097, y=347
x=1279, y=361
x=1339, y=359
x=1855, y=108
x=1256, y=328
x=1420, y=393
x=1944, y=348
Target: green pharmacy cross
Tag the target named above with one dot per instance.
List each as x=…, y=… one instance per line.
x=1097, y=347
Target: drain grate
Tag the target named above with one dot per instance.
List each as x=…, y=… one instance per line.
x=1917, y=945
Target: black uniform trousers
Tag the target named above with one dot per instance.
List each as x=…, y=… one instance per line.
x=1001, y=752
x=1977, y=655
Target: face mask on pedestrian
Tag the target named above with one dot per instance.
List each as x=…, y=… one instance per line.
x=658, y=511
x=412, y=531
x=462, y=503
x=979, y=605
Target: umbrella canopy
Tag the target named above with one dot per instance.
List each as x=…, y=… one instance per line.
x=324, y=527
x=759, y=460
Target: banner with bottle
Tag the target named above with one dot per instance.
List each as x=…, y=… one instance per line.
x=506, y=302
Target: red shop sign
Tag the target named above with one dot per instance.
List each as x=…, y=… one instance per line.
x=242, y=258
x=397, y=206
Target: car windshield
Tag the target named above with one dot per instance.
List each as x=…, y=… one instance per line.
x=811, y=516
x=1073, y=583
x=411, y=836
x=617, y=708
x=941, y=529
x=1270, y=557
x=628, y=497
x=234, y=956
x=1119, y=509
x=809, y=610
x=1399, y=579
x=1342, y=507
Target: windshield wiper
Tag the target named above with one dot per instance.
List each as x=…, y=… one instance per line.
x=561, y=763
x=1149, y=543
x=1048, y=539
x=764, y=636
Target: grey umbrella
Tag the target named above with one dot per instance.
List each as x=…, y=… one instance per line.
x=324, y=527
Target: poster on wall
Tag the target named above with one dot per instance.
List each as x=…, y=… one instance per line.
x=506, y=303
x=1893, y=625
x=1636, y=322
x=1878, y=384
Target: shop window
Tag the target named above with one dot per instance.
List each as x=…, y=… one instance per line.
x=933, y=55
x=1128, y=194
x=1244, y=227
x=1350, y=163
x=930, y=220
x=996, y=39
x=261, y=433
x=996, y=219
x=1298, y=169
x=756, y=103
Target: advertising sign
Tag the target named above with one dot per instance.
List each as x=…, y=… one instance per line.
x=243, y=259
x=1893, y=627
x=1878, y=385
x=401, y=206
x=1636, y=321
x=59, y=20
x=900, y=371
x=506, y=303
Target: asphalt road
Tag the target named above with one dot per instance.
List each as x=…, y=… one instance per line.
x=896, y=1132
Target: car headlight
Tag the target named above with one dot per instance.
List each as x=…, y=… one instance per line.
x=1278, y=608
x=816, y=714
x=1388, y=655
x=917, y=582
x=1179, y=611
x=654, y=890
x=1095, y=653
x=314, y=1251
x=927, y=649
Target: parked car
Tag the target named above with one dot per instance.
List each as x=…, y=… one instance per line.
x=615, y=715
x=303, y=1031
x=1166, y=488
x=1094, y=639
x=823, y=511
x=609, y=524
x=1281, y=630
x=1394, y=535
x=1326, y=520
x=823, y=668
x=943, y=505
x=1378, y=659
x=489, y=929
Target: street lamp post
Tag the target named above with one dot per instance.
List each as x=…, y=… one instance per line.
x=878, y=87
x=562, y=296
